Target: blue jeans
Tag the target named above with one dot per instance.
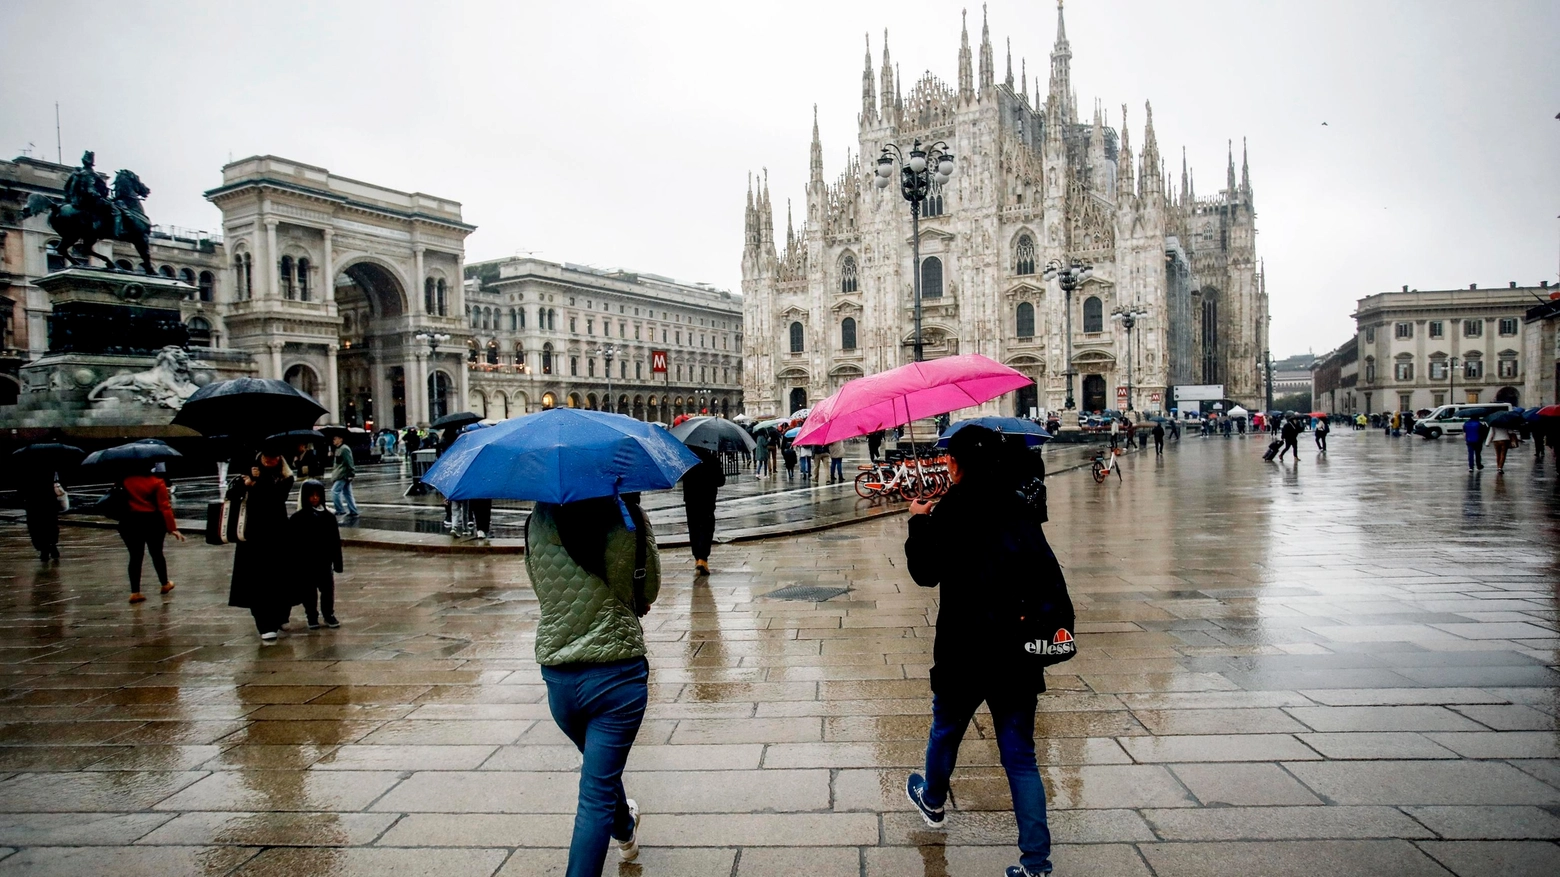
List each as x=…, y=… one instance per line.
x=806, y=463
x=342, y=490
x=599, y=707
x=837, y=468
x=1475, y=454
x=1014, y=719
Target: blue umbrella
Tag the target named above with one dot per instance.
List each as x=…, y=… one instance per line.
x=791, y=433
x=1034, y=434
x=560, y=455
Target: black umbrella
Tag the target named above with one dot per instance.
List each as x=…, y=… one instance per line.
x=47, y=455
x=456, y=420
x=143, y=451
x=248, y=408
x=292, y=438
x=709, y=432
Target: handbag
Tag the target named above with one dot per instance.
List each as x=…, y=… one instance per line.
x=115, y=504
x=61, y=497
x=1042, y=611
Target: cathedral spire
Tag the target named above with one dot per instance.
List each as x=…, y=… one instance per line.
x=1061, y=73
x=868, y=94
x=817, y=150
x=1245, y=173
x=886, y=93
x=790, y=233
x=966, y=76
x=1153, y=167
x=1097, y=176
x=1229, y=189
x=987, y=66
x=1124, y=161
x=1023, y=78
x=1186, y=191
x=1010, y=63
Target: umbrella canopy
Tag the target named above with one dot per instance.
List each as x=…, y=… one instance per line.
x=897, y=396
x=560, y=455
x=47, y=455
x=791, y=433
x=146, y=451
x=248, y=408
x=458, y=419
x=1319, y=414
x=1549, y=411
x=771, y=424
x=800, y=414
x=286, y=441
x=709, y=432
x=741, y=418
x=1034, y=434
x=1238, y=411
x=1505, y=419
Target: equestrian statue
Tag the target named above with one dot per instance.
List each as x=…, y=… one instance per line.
x=91, y=212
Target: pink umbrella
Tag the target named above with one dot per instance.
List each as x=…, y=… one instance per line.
x=909, y=392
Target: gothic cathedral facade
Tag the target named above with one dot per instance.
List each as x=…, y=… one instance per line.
x=1032, y=183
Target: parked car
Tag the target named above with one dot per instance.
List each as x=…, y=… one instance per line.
x=1450, y=418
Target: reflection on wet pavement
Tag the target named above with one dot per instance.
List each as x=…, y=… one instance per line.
x=1345, y=665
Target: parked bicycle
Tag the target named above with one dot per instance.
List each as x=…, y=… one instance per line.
x=901, y=476
x=1105, y=463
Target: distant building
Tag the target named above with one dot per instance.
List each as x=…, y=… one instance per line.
x=1334, y=377
x=1541, y=337
x=541, y=335
x=1423, y=349
x=1292, y=374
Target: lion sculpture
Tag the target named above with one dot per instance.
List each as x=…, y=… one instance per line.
x=166, y=384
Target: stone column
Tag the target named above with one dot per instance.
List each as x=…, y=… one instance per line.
x=417, y=283
x=416, y=387
x=332, y=386
x=276, y=358
x=458, y=294
x=327, y=272
x=270, y=266
x=462, y=383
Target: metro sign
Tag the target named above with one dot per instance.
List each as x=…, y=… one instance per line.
x=658, y=361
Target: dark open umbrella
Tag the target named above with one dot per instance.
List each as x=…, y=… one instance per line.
x=1505, y=419
x=709, y=432
x=248, y=408
x=286, y=441
x=145, y=451
x=457, y=420
x=47, y=455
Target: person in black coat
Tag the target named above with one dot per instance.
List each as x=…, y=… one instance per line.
x=700, y=485
x=43, y=511
x=260, y=569
x=315, y=541
x=965, y=547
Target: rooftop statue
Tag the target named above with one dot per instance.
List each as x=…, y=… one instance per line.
x=91, y=212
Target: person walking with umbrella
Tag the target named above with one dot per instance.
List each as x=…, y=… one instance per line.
x=42, y=494
x=1502, y=438
x=261, y=579
x=1474, y=432
x=148, y=519
x=1322, y=429
x=1159, y=439
x=1289, y=434
x=761, y=454
x=341, y=476
x=700, y=485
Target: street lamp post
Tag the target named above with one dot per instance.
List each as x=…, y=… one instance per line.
x=1129, y=316
x=1451, y=373
x=1068, y=276
x=1267, y=358
x=916, y=176
x=607, y=353
x=433, y=339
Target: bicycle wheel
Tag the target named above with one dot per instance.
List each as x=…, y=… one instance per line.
x=910, y=488
x=1099, y=472
x=869, y=485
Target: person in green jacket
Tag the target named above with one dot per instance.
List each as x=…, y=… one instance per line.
x=341, y=478
x=594, y=577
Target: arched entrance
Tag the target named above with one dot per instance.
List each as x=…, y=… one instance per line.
x=440, y=386
x=369, y=364
x=798, y=398
x=639, y=408
x=1094, y=393
x=1026, y=400
x=1508, y=395
x=303, y=379
x=549, y=401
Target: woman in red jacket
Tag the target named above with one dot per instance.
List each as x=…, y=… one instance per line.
x=150, y=519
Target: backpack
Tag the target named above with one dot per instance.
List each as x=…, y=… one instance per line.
x=1040, y=609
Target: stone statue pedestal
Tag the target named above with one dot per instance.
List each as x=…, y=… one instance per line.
x=117, y=363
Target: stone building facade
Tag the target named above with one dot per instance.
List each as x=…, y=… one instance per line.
x=1334, y=378
x=1034, y=180
x=1541, y=338
x=1423, y=349
x=546, y=335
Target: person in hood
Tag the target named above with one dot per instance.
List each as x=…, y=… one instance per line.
x=260, y=572
x=150, y=519
x=965, y=547
x=316, y=549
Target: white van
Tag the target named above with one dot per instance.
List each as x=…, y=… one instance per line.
x=1450, y=418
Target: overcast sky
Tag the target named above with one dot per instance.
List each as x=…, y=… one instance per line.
x=622, y=133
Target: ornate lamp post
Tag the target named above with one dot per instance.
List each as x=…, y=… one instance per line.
x=1451, y=391
x=607, y=352
x=1068, y=277
x=433, y=339
x=917, y=173
x=1128, y=315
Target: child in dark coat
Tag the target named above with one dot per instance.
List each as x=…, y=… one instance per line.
x=316, y=545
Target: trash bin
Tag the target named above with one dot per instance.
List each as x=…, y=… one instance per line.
x=421, y=462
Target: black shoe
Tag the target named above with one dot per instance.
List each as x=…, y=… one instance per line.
x=331, y=622
x=314, y=624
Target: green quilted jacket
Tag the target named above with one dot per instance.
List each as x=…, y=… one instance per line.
x=585, y=619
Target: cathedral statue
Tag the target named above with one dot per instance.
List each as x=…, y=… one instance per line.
x=92, y=212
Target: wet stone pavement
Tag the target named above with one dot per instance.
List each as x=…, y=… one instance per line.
x=1343, y=666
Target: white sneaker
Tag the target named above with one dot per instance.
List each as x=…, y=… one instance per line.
x=629, y=849
x=268, y=638
x=481, y=534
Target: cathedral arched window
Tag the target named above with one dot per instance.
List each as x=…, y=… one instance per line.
x=1026, y=320
x=796, y=337
x=1024, y=255
x=848, y=333
x=1093, y=314
x=848, y=274
x=933, y=205
x=428, y=302
x=552, y=319
x=547, y=359
x=492, y=353
x=287, y=278
x=439, y=299
x=931, y=277
x=303, y=279
x=205, y=284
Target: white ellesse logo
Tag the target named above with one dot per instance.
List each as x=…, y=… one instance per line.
x=1060, y=644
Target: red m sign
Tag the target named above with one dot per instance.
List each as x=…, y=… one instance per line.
x=658, y=361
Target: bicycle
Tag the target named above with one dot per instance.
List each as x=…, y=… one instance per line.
x=1105, y=463
x=903, y=478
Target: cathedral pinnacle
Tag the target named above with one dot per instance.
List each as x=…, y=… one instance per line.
x=1010, y=63
x=1061, y=73
x=1186, y=191
x=1153, y=165
x=1245, y=172
x=817, y=150
x=987, y=66
x=1124, y=161
x=886, y=93
x=966, y=77
x=868, y=95
x=1230, y=193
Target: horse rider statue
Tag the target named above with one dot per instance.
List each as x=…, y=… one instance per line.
x=91, y=212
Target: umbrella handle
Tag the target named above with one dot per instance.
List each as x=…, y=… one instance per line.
x=628, y=519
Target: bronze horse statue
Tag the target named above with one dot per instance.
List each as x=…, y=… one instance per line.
x=123, y=221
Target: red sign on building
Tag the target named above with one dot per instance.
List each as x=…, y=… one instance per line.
x=658, y=361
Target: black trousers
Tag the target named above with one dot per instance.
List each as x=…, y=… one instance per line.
x=270, y=618
x=700, y=509
x=143, y=533
x=319, y=598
